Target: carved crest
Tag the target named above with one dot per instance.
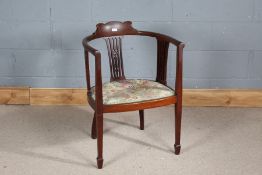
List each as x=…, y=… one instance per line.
x=114, y=28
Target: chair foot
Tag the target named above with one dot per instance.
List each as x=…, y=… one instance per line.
x=93, y=136
x=99, y=163
x=177, y=149
x=141, y=117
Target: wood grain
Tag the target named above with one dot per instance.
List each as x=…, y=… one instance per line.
x=223, y=97
x=77, y=96
x=14, y=95
x=56, y=96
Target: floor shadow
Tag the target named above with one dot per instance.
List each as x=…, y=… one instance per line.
x=41, y=126
x=25, y=128
x=121, y=123
x=133, y=140
x=136, y=141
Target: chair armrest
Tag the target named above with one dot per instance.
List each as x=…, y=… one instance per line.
x=163, y=37
x=179, y=72
x=89, y=48
x=170, y=40
x=98, y=74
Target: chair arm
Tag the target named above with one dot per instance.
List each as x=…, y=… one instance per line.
x=162, y=37
x=170, y=40
x=179, y=71
x=98, y=74
x=89, y=48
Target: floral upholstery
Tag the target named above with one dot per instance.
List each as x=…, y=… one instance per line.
x=130, y=91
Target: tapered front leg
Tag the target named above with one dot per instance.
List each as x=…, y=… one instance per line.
x=178, y=115
x=178, y=90
x=93, y=131
x=99, y=126
x=141, y=116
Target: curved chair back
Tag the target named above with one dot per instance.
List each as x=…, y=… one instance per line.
x=112, y=32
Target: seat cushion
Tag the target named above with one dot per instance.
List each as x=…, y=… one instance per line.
x=131, y=91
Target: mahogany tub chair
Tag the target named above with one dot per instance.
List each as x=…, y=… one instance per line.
x=121, y=94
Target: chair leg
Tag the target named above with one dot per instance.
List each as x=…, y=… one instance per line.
x=93, y=132
x=141, y=116
x=99, y=126
x=178, y=115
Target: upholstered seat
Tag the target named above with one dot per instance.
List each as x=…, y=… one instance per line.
x=131, y=91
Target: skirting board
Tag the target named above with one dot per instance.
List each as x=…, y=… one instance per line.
x=77, y=96
x=14, y=95
x=222, y=97
x=55, y=96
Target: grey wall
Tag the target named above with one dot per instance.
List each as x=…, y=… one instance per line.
x=40, y=40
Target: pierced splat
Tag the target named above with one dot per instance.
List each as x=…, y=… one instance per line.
x=114, y=48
